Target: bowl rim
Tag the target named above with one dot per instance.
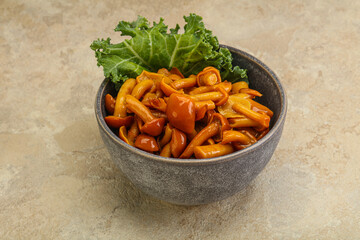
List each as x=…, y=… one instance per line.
x=216, y=160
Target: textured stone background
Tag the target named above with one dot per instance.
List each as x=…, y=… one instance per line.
x=58, y=182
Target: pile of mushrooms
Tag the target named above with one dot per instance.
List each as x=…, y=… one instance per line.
x=199, y=116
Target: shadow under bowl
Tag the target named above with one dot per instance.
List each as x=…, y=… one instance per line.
x=200, y=181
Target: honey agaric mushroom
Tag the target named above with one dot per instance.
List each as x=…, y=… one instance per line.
x=257, y=107
x=181, y=112
x=214, y=150
x=184, y=83
x=251, y=92
x=167, y=135
x=116, y=122
x=159, y=104
x=224, y=125
x=262, y=119
x=147, y=97
x=164, y=71
x=145, y=75
x=213, y=96
x=166, y=88
x=126, y=88
x=177, y=143
x=217, y=125
x=242, y=122
x=200, y=104
x=226, y=109
x=123, y=135
x=203, y=89
x=133, y=132
x=176, y=71
x=166, y=151
x=174, y=77
x=142, y=87
x=200, y=113
x=152, y=125
x=207, y=132
x=159, y=114
x=225, y=96
x=146, y=143
x=239, y=85
x=235, y=136
x=209, y=76
x=250, y=135
x=109, y=104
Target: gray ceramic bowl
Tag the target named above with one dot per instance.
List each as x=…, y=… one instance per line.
x=193, y=181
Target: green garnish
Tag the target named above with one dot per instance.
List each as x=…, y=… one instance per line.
x=152, y=48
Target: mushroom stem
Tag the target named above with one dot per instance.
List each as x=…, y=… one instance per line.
x=210, y=130
x=126, y=88
x=184, y=83
x=235, y=136
x=141, y=88
x=203, y=89
x=257, y=107
x=166, y=151
x=242, y=122
x=153, y=126
x=139, y=109
x=263, y=119
x=213, y=96
x=110, y=104
x=214, y=150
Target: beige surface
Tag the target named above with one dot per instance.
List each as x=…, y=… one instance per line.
x=58, y=182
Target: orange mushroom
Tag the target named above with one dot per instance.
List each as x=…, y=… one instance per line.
x=167, y=135
x=126, y=88
x=117, y=122
x=177, y=143
x=206, y=133
x=209, y=76
x=166, y=88
x=225, y=96
x=200, y=114
x=217, y=125
x=184, y=83
x=176, y=71
x=159, y=104
x=224, y=125
x=123, y=135
x=213, y=96
x=153, y=126
x=214, y=150
x=109, y=104
x=200, y=104
x=181, y=112
x=133, y=132
x=250, y=92
x=141, y=88
x=262, y=119
x=257, y=107
x=239, y=85
x=166, y=151
x=235, y=136
x=242, y=122
x=203, y=89
x=146, y=143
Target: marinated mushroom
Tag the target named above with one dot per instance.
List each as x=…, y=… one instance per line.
x=181, y=112
x=197, y=116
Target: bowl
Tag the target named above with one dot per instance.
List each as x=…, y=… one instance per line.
x=200, y=181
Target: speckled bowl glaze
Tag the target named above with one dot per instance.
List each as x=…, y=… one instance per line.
x=193, y=181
